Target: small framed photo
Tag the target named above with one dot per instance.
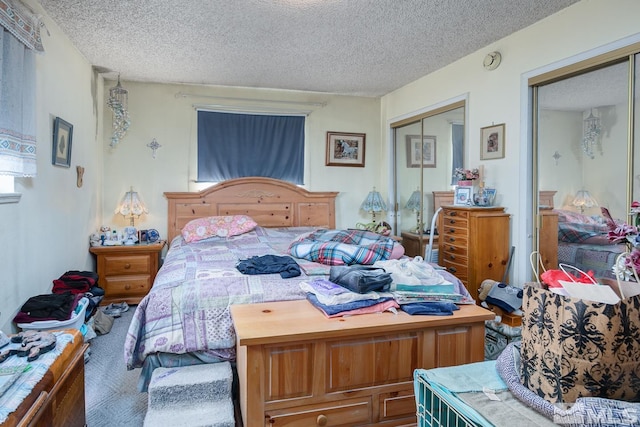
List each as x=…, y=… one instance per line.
x=345, y=149
x=62, y=139
x=463, y=196
x=421, y=154
x=492, y=140
x=143, y=236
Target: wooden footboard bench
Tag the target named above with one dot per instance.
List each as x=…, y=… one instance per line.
x=296, y=367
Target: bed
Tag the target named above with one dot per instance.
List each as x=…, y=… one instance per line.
x=583, y=243
x=184, y=320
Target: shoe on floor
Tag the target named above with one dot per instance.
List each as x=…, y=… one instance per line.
x=112, y=310
x=122, y=306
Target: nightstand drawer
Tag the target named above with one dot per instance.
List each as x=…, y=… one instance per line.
x=126, y=286
x=129, y=264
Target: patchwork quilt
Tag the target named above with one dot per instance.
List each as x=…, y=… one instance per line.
x=187, y=310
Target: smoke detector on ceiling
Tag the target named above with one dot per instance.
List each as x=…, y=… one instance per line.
x=492, y=60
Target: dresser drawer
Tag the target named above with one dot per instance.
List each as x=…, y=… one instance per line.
x=454, y=221
x=454, y=239
x=129, y=264
x=453, y=256
x=461, y=271
x=454, y=213
x=346, y=413
x=125, y=286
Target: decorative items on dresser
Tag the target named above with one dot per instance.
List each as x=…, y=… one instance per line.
x=126, y=273
x=474, y=243
x=297, y=367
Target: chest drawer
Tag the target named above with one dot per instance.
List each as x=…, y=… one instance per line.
x=347, y=413
x=454, y=214
x=457, y=238
x=454, y=221
x=129, y=264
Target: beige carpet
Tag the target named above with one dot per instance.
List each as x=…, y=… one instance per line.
x=111, y=393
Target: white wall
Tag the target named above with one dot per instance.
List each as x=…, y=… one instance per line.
x=500, y=96
x=156, y=112
x=46, y=233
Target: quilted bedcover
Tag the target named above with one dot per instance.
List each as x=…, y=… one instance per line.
x=187, y=310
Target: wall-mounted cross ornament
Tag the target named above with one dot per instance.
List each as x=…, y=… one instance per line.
x=154, y=146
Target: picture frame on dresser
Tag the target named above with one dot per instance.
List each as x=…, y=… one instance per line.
x=62, y=140
x=463, y=196
x=345, y=149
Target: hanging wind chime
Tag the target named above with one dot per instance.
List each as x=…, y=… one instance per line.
x=118, y=100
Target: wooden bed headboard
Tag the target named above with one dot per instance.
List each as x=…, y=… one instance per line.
x=270, y=202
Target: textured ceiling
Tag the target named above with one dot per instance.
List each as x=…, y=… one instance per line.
x=353, y=47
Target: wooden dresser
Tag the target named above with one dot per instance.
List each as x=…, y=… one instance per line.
x=298, y=368
x=474, y=243
x=126, y=273
x=57, y=400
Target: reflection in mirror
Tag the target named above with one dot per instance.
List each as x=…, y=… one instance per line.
x=427, y=150
x=582, y=152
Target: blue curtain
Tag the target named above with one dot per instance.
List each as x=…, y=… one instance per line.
x=237, y=145
x=457, y=141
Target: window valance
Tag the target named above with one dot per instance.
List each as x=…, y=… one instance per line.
x=16, y=18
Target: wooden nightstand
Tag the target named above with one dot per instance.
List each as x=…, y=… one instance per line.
x=126, y=273
x=414, y=246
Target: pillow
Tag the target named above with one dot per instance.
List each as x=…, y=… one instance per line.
x=220, y=226
x=575, y=217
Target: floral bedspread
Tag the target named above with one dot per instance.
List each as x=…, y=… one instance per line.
x=187, y=310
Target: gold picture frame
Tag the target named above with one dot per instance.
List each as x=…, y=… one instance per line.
x=492, y=142
x=345, y=149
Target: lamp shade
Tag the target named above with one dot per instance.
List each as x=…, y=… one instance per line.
x=584, y=200
x=131, y=205
x=373, y=202
x=414, y=201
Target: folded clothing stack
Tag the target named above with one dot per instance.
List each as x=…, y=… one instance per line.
x=334, y=300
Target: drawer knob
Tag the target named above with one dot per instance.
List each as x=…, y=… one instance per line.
x=452, y=269
x=452, y=239
x=452, y=257
x=451, y=248
x=452, y=221
x=453, y=213
x=452, y=230
x=322, y=420
x=127, y=286
x=127, y=266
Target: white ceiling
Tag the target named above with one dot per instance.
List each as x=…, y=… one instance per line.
x=351, y=47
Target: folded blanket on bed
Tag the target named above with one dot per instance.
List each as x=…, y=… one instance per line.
x=340, y=247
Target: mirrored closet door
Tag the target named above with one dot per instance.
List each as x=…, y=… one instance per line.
x=427, y=148
x=585, y=158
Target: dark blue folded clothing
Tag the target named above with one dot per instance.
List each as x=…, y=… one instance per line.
x=340, y=308
x=267, y=264
x=436, y=308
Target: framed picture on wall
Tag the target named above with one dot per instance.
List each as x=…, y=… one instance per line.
x=421, y=154
x=62, y=139
x=463, y=196
x=492, y=140
x=345, y=149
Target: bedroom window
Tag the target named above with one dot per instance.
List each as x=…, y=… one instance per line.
x=232, y=145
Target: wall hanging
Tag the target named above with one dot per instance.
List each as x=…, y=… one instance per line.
x=118, y=102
